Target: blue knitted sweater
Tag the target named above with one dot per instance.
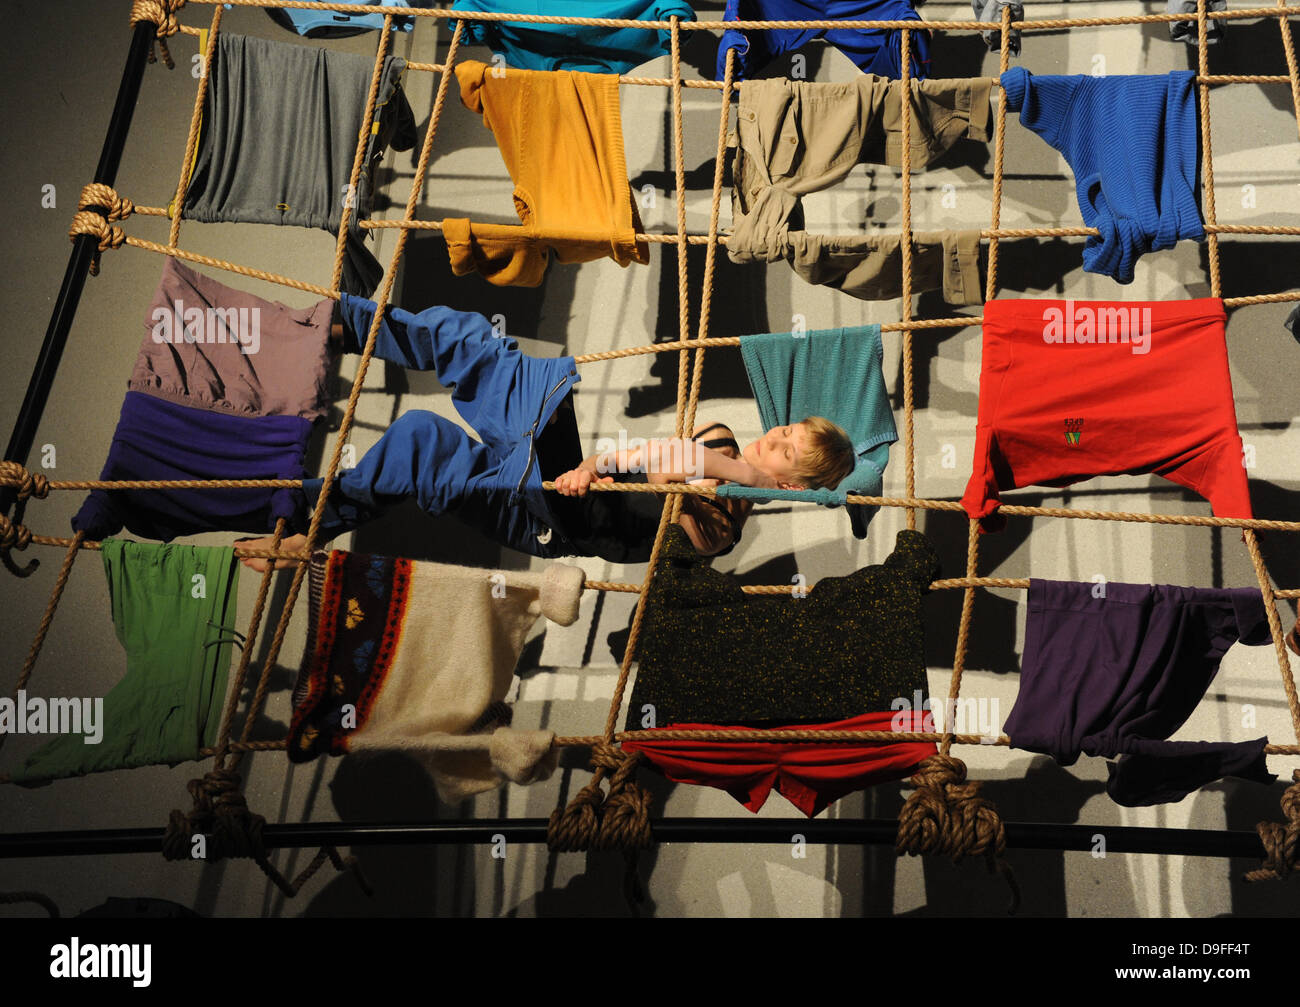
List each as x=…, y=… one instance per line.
x=1132, y=145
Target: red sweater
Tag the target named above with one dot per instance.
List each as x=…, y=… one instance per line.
x=1075, y=389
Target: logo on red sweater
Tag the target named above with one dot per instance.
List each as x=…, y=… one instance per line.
x=1073, y=431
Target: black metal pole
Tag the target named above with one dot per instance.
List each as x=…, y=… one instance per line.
x=83, y=249
x=1020, y=835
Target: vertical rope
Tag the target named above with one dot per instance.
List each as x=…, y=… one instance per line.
x=963, y=630
x=1281, y=841
x=264, y=679
x=905, y=95
x=192, y=140
x=674, y=503
x=711, y=249
x=218, y=805
x=245, y=657
x=1288, y=45
x=671, y=507
x=390, y=276
x=1207, y=152
x=60, y=582
x=623, y=821
x=363, y=141
x=999, y=147
x=1275, y=627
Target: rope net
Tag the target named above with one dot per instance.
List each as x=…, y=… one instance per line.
x=944, y=814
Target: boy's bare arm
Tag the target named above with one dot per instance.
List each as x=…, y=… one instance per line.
x=674, y=459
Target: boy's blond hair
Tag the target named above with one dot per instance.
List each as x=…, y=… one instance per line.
x=828, y=455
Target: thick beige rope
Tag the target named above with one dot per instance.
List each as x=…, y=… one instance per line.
x=1253, y=13
x=909, y=387
x=163, y=14
x=192, y=140
x=354, y=180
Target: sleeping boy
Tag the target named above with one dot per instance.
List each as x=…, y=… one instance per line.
x=522, y=409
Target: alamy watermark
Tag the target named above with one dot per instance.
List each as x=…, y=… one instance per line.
x=1082, y=323
x=636, y=454
x=75, y=960
x=967, y=715
x=184, y=324
x=36, y=715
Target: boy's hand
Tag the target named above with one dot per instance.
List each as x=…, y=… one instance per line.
x=576, y=482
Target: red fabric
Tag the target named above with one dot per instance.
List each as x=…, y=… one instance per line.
x=810, y=776
x=1144, y=388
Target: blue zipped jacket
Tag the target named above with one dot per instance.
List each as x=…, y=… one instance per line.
x=506, y=395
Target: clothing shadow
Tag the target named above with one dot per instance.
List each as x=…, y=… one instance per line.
x=540, y=312
x=1029, y=266
x=1244, y=806
x=739, y=307
x=1245, y=48
x=406, y=530
x=429, y=880
x=991, y=644
x=1045, y=792
x=610, y=884
x=1252, y=267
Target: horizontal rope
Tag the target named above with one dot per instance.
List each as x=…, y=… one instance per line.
x=937, y=585
x=716, y=85
x=688, y=488
x=278, y=745
x=233, y=267
x=778, y=736
x=1253, y=13
x=954, y=505
x=238, y=550
x=770, y=737
x=167, y=484
x=998, y=232
x=1015, y=583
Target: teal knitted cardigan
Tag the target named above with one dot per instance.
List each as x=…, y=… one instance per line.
x=834, y=373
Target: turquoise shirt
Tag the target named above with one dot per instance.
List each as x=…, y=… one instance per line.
x=591, y=49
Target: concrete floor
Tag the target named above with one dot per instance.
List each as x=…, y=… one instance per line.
x=56, y=104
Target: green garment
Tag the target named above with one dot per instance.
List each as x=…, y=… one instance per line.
x=169, y=703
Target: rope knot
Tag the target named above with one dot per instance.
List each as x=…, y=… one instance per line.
x=89, y=222
x=574, y=827
x=608, y=757
x=1281, y=841
x=945, y=815
x=221, y=812
x=13, y=533
x=163, y=14
x=106, y=198
x=29, y=484
x=594, y=819
x=13, y=536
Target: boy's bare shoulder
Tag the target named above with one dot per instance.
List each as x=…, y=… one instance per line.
x=710, y=432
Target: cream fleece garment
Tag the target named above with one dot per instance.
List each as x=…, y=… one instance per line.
x=458, y=635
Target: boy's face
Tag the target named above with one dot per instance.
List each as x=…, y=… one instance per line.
x=778, y=452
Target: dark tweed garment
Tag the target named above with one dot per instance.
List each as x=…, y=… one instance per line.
x=709, y=653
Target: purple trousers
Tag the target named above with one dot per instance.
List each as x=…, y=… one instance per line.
x=1118, y=674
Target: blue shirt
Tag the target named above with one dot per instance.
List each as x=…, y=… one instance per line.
x=1132, y=144
x=873, y=50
